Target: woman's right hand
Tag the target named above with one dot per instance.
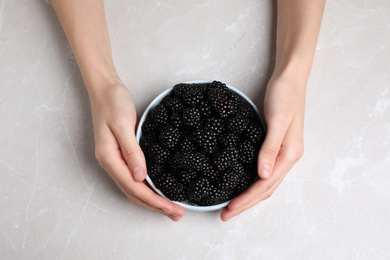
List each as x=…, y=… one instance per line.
x=117, y=150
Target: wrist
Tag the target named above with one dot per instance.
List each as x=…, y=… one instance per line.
x=100, y=79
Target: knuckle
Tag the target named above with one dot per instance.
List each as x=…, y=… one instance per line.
x=128, y=153
x=270, y=152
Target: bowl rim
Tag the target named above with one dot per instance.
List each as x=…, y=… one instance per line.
x=154, y=103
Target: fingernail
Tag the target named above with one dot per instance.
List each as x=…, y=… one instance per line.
x=265, y=170
x=138, y=173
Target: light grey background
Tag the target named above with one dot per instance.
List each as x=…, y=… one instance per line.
x=57, y=203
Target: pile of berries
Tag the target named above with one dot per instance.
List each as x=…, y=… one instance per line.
x=201, y=144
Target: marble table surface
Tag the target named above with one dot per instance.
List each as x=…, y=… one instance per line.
x=57, y=203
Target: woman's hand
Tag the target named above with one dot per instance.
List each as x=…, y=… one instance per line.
x=117, y=150
x=284, y=107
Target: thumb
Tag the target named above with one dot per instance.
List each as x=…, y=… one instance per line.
x=133, y=155
x=269, y=151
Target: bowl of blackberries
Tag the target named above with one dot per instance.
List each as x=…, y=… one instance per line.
x=201, y=141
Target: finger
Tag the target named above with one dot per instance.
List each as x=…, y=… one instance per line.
x=118, y=170
x=131, y=151
x=263, y=189
x=271, y=147
x=259, y=191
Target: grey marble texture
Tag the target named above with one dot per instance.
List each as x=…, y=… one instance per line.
x=57, y=203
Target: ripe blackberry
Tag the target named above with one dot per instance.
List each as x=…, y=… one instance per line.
x=254, y=133
x=197, y=161
x=175, y=105
x=237, y=123
x=176, y=120
x=189, y=160
x=155, y=170
x=149, y=126
x=229, y=139
x=159, y=154
x=192, y=96
x=186, y=145
x=204, y=108
x=179, y=89
x=170, y=186
x=225, y=158
x=229, y=181
x=147, y=140
x=169, y=136
x=191, y=117
x=160, y=114
x=206, y=140
x=204, y=87
x=246, y=110
x=235, y=97
x=220, y=103
x=186, y=176
x=198, y=189
x=214, y=124
x=219, y=85
x=209, y=173
x=216, y=196
x=244, y=180
x=247, y=152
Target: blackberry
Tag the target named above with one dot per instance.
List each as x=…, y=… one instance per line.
x=175, y=105
x=159, y=154
x=147, y=140
x=220, y=103
x=225, y=158
x=176, y=120
x=219, y=85
x=229, y=181
x=204, y=108
x=169, y=137
x=216, y=196
x=209, y=173
x=186, y=176
x=155, y=170
x=179, y=89
x=191, y=117
x=160, y=114
x=186, y=145
x=246, y=110
x=199, y=189
x=149, y=127
x=237, y=123
x=235, y=97
x=229, y=139
x=203, y=87
x=247, y=152
x=254, y=133
x=171, y=188
x=206, y=140
x=192, y=96
x=189, y=160
x=214, y=124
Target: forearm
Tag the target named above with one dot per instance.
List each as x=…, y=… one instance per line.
x=84, y=24
x=298, y=25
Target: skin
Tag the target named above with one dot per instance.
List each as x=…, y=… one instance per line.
x=114, y=116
